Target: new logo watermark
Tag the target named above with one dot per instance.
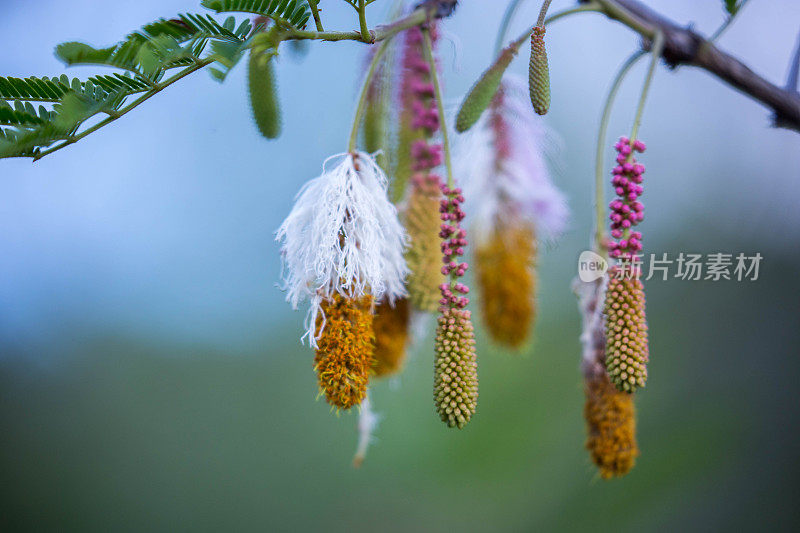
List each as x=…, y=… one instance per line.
x=685, y=266
x=591, y=266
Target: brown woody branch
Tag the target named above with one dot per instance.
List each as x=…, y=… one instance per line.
x=684, y=46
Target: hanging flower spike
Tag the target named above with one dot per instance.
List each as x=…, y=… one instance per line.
x=610, y=414
x=504, y=164
x=342, y=246
x=455, y=386
x=420, y=216
x=627, y=351
x=626, y=210
x=611, y=424
x=342, y=237
x=511, y=200
x=390, y=324
x=507, y=280
x=344, y=352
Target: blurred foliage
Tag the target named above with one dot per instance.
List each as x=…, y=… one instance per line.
x=127, y=435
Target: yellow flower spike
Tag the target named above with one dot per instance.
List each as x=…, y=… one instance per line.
x=424, y=256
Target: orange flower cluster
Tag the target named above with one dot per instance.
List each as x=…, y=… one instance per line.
x=507, y=282
x=611, y=424
x=344, y=356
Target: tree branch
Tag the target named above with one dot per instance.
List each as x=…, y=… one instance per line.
x=684, y=46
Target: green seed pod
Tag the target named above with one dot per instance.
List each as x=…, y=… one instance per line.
x=263, y=96
x=539, y=73
x=483, y=91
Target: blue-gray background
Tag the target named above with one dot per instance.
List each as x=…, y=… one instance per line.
x=150, y=374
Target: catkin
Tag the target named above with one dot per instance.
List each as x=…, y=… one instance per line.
x=506, y=278
x=481, y=94
x=423, y=257
x=344, y=356
x=263, y=95
x=539, y=73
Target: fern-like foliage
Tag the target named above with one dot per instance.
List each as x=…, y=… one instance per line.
x=142, y=59
x=293, y=13
x=188, y=41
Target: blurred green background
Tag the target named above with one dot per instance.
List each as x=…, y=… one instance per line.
x=151, y=377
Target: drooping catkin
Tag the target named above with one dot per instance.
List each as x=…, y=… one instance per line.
x=627, y=351
x=609, y=413
x=481, y=94
x=421, y=219
x=455, y=374
x=506, y=278
x=375, y=131
x=611, y=426
x=421, y=117
x=539, y=73
x=455, y=385
x=344, y=354
x=390, y=325
x=263, y=94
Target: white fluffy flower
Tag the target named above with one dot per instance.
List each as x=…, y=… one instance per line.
x=503, y=161
x=342, y=235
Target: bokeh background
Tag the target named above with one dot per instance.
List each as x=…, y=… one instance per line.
x=151, y=376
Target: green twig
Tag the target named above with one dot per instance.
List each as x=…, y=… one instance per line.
x=362, y=99
x=502, y=31
x=415, y=18
x=427, y=50
x=591, y=7
x=315, y=13
x=655, y=57
x=362, y=21
x=717, y=34
x=616, y=11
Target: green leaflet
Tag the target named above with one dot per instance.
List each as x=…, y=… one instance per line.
x=483, y=91
x=263, y=96
x=20, y=116
x=732, y=6
x=158, y=46
x=34, y=89
x=294, y=12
